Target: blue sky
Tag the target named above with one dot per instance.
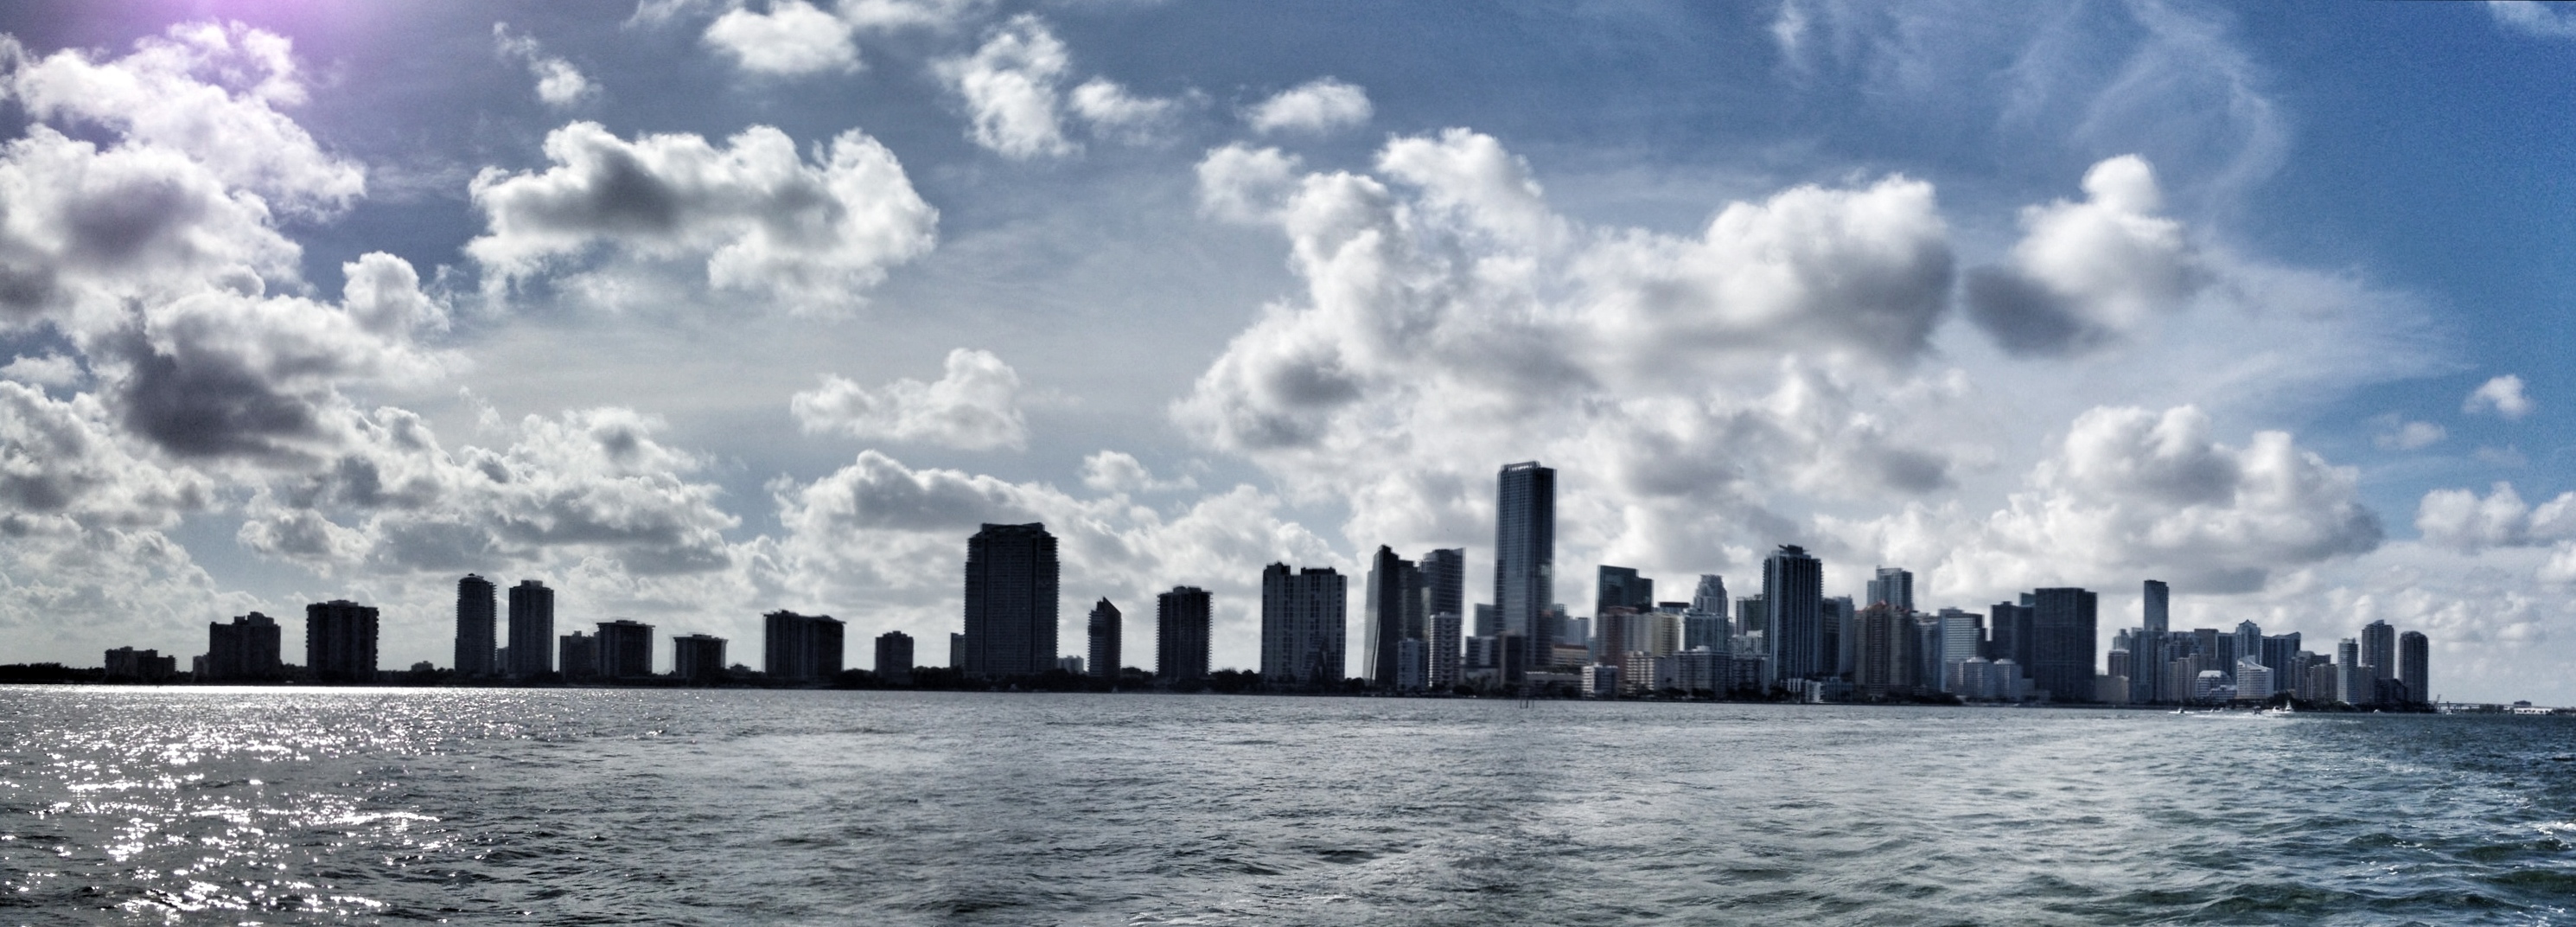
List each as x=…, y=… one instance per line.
x=700, y=309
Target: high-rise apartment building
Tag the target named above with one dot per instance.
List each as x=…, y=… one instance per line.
x=1103, y=629
x=577, y=656
x=2009, y=635
x=800, y=648
x=1893, y=586
x=532, y=630
x=1444, y=669
x=2379, y=649
x=340, y=641
x=625, y=649
x=245, y=650
x=1884, y=645
x=476, y=610
x=1444, y=581
x=2159, y=616
x=1183, y=620
x=2063, y=628
x=1793, y=594
x=894, y=657
x=1302, y=632
x=1963, y=638
x=698, y=657
x=2413, y=657
x=1010, y=601
x=1524, y=559
x=1393, y=615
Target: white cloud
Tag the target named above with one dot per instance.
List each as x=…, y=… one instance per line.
x=43, y=370
x=63, y=461
x=2088, y=273
x=1010, y=86
x=1120, y=472
x=559, y=83
x=2531, y=17
x=2397, y=434
x=1110, y=109
x=2502, y=396
x=1789, y=31
x=1320, y=105
x=975, y=405
x=793, y=38
x=1241, y=184
x=2458, y=519
x=764, y=220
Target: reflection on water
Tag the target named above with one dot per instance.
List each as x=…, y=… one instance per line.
x=292, y=806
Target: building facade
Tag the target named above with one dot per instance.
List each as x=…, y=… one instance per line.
x=248, y=649
x=1011, y=574
x=532, y=630
x=625, y=649
x=2063, y=627
x=894, y=657
x=577, y=656
x=1391, y=615
x=1793, y=601
x=1302, y=629
x=2413, y=667
x=1103, y=630
x=476, y=611
x=1524, y=559
x=340, y=641
x=698, y=657
x=1182, y=624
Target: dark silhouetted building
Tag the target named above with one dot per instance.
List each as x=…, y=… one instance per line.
x=625, y=649
x=1182, y=618
x=894, y=657
x=698, y=657
x=2010, y=637
x=2413, y=666
x=1620, y=599
x=340, y=641
x=2379, y=649
x=2159, y=615
x=1883, y=652
x=1793, y=594
x=1393, y=615
x=1894, y=586
x=475, y=613
x=126, y=664
x=532, y=630
x=2062, y=628
x=1302, y=632
x=800, y=648
x=1104, y=628
x=245, y=650
x=1010, y=601
x=577, y=656
x=1524, y=561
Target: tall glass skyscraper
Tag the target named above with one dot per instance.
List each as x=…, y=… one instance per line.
x=1793, y=594
x=1525, y=557
x=1394, y=615
x=1011, y=575
x=2159, y=599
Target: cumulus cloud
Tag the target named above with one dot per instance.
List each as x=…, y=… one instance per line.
x=762, y=219
x=2086, y=274
x=1320, y=105
x=1238, y=183
x=975, y=405
x=559, y=83
x=2459, y=519
x=1016, y=104
x=1121, y=472
x=2398, y=434
x=63, y=461
x=791, y=38
x=2502, y=396
x=1110, y=109
x=42, y=370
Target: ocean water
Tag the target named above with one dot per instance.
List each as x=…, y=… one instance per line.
x=288, y=806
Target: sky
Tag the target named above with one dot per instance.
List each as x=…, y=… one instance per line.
x=698, y=309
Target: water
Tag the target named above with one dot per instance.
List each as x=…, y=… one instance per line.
x=389, y=806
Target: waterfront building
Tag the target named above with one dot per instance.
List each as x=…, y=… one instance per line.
x=1963, y=635
x=1104, y=628
x=577, y=656
x=1444, y=671
x=128, y=664
x=2009, y=633
x=532, y=630
x=2413, y=653
x=340, y=641
x=1412, y=664
x=698, y=657
x=1884, y=662
x=2353, y=682
x=957, y=651
x=1444, y=581
x=1893, y=587
x=1183, y=618
x=1705, y=623
x=2253, y=680
x=2246, y=645
x=1392, y=614
x=1697, y=671
x=245, y=650
x=625, y=649
x=1793, y=597
x=2322, y=682
x=1601, y=680
x=1489, y=621
x=1837, y=625
x=1524, y=557
x=1617, y=629
x=2062, y=641
x=1302, y=626
x=2158, y=607
x=2210, y=686
x=1072, y=665
x=894, y=658
x=477, y=608
x=1011, y=574
x=2280, y=652
x=2379, y=649
x=800, y=648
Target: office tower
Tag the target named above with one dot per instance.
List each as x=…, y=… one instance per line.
x=532, y=630
x=577, y=656
x=1444, y=670
x=1489, y=621
x=2352, y=677
x=1444, y=581
x=2281, y=653
x=476, y=610
x=2158, y=602
x=2379, y=649
x=1705, y=624
x=1616, y=633
x=1622, y=587
x=894, y=657
x=1793, y=596
x=1893, y=586
x=625, y=649
x=1838, y=634
x=1663, y=630
x=800, y=648
x=1883, y=652
x=1524, y=558
x=1302, y=631
x=2062, y=641
x=2413, y=656
x=1393, y=615
x=2248, y=645
x=2010, y=637
x=1752, y=615
x=245, y=650
x=1183, y=622
x=1010, y=601
x=698, y=657
x=1104, y=628
x=1963, y=635
x=340, y=641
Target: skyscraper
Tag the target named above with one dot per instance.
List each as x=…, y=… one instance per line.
x=1620, y=600
x=1183, y=618
x=1894, y=586
x=2062, y=630
x=2009, y=635
x=532, y=630
x=577, y=656
x=800, y=648
x=1525, y=557
x=625, y=649
x=2158, y=618
x=1010, y=601
x=2379, y=649
x=2413, y=655
x=1444, y=669
x=1884, y=652
x=340, y=641
x=1793, y=593
x=476, y=610
x=1962, y=635
x=1394, y=615
x=1444, y=581
x=1302, y=632
x=246, y=649
x=894, y=657
x=1103, y=628
x=698, y=657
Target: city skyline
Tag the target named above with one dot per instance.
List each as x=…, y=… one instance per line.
x=484, y=288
